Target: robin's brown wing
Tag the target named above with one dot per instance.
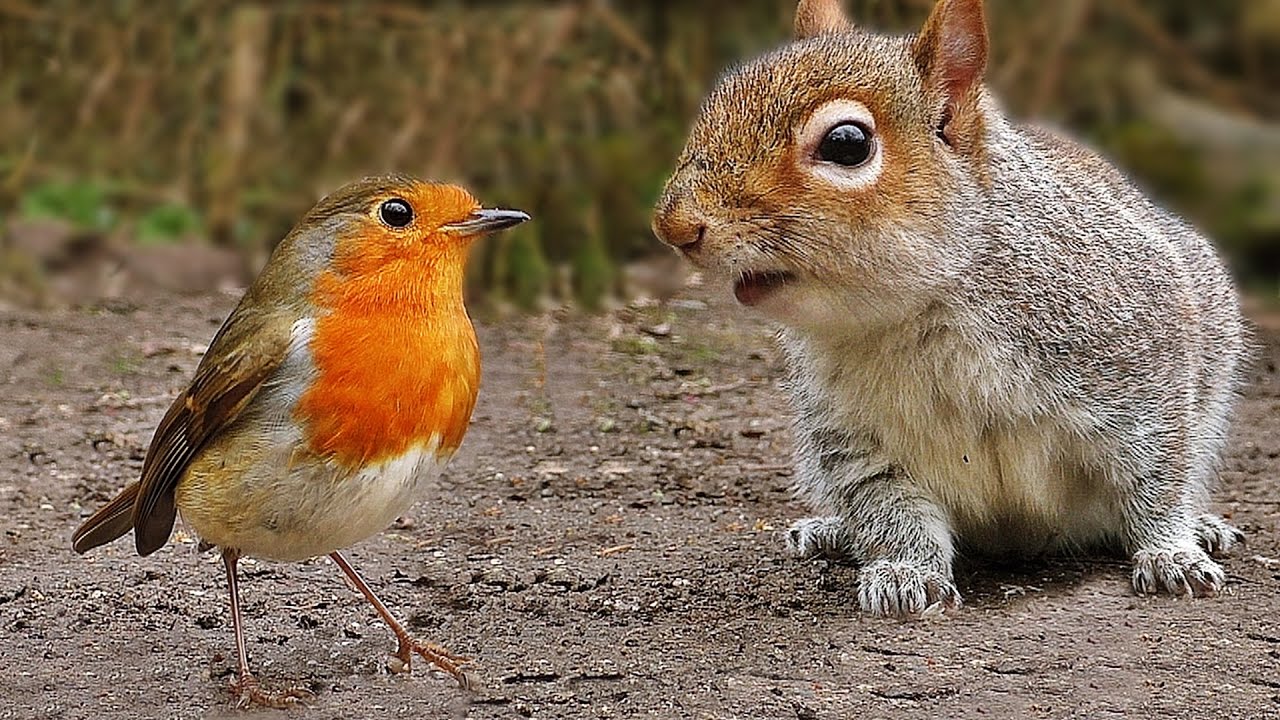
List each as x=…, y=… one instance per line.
x=249, y=347
x=110, y=522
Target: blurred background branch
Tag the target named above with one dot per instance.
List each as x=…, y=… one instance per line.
x=217, y=123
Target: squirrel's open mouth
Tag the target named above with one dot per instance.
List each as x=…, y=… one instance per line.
x=752, y=287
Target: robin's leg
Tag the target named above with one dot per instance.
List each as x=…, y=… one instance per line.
x=434, y=654
x=245, y=687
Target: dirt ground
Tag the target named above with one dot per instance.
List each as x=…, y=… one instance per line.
x=606, y=544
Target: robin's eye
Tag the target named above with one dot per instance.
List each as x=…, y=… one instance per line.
x=848, y=144
x=396, y=213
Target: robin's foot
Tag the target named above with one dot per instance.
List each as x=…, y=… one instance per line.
x=437, y=655
x=248, y=692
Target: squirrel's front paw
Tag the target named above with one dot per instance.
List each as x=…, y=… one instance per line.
x=904, y=589
x=1178, y=572
x=818, y=537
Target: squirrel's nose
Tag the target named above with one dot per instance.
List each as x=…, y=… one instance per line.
x=679, y=230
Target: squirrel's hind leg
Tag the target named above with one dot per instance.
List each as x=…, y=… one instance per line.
x=1177, y=572
x=1216, y=535
x=1171, y=552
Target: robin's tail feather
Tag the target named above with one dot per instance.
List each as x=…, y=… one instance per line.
x=112, y=521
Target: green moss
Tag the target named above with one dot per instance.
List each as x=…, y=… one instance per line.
x=123, y=362
x=634, y=345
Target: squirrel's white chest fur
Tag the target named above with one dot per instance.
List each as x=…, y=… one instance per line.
x=971, y=427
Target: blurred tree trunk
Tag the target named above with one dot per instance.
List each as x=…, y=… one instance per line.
x=242, y=90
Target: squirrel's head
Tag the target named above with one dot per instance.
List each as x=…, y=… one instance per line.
x=821, y=178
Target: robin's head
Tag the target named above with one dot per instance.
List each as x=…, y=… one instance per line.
x=389, y=219
x=384, y=239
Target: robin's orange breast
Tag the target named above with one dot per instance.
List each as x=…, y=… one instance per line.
x=396, y=361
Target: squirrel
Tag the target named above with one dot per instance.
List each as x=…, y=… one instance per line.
x=996, y=344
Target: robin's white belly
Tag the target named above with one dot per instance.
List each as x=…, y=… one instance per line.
x=272, y=508
x=329, y=516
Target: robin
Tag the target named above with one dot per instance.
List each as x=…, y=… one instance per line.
x=341, y=383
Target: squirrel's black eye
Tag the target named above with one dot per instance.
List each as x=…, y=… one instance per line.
x=847, y=144
x=396, y=213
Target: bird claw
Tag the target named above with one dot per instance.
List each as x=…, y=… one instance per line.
x=441, y=657
x=248, y=692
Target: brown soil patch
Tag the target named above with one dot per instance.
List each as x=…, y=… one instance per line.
x=606, y=544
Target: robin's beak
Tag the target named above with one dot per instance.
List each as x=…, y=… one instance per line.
x=483, y=222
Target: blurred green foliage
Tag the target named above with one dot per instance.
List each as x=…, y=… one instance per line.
x=169, y=222
x=526, y=274
x=80, y=202
x=591, y=270
x=229, y=119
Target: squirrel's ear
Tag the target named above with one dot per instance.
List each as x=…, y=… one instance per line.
x=951, y=50
x=820, y=17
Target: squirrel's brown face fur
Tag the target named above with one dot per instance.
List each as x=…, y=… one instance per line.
x=755, y=199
